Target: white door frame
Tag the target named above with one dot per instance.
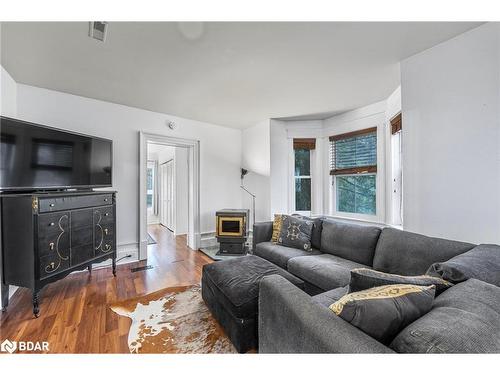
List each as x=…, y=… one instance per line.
x=193, y=147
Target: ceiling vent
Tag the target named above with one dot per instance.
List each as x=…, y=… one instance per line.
x=98, y=30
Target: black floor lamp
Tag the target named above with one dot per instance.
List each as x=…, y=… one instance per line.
x=244, y=172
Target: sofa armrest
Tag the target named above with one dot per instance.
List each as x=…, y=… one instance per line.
x=290, y=322
x=262, y=232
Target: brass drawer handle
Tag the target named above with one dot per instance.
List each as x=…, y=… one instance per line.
x=52, y=265
x=107, y=246
x=105, y=230
x=52, y=224
x=51, y=246
x=51, y=205
x=106, y=214
x=105, y=199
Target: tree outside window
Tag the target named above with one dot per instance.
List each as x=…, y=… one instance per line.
x=353, y=165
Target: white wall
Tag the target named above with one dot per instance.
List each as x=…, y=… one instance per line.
x=8, y=94
x=451, y=140
x=256, y=158
x=280, y=150
x=220, y=149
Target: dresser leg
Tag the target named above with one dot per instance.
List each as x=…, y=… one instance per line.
x=90, y=268
x=36, y=307
x=113, y=260
x=5, y=296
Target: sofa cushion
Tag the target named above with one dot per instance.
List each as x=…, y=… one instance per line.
x=331, y=296
x=350, y=241
x=296, y=232
x=408, y=254
x=325, y=271
x=382, y=312
x=464, y=319
x=364, y=278
x=482, y=263
x=280, y=255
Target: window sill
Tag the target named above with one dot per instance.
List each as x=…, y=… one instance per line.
x=357, y=219
x=360, y=220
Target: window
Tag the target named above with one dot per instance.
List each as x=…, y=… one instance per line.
x=302, y=172
x=353, y=166
x=150, y=185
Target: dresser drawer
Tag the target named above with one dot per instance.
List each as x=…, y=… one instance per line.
x=53, y=263
x=53, y=232
x=104, y=233
x=73, y=202
x=103, y=215
x=105, y=247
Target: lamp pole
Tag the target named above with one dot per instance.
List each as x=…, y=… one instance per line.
x=253, y=201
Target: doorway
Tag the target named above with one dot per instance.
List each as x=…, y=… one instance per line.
x=169, y=188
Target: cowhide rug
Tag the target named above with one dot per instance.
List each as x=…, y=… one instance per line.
x=173, y=320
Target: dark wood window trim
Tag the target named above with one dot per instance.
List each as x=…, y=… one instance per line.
x=352, y=134
x=304, y=143
x=357, y=170
x=396, y=123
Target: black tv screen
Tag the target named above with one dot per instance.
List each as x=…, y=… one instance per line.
x=34, y=156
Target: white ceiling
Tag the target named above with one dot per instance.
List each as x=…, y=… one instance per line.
x=233, y=74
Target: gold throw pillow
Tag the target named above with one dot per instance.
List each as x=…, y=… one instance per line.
x=277, y=223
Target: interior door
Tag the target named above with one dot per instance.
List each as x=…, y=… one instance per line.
x=167, y=195
x=170, y=194
x=163, y=194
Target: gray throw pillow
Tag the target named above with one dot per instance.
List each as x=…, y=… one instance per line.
x=296, y=232
x=482, y=263
x=365, y=278
x=316, y=232
x=382, y=312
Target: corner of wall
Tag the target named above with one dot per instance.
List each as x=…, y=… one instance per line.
x=8, y=94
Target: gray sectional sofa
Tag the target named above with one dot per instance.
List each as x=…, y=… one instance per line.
x=464, y=318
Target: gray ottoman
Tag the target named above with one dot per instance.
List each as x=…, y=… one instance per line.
x=230, y=289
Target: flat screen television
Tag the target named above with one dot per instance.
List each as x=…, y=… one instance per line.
x=38, y=157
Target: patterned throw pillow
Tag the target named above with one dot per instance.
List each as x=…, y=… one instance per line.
x=278, y=221
x=365, y=278
x=382, y=312
x=296, y=232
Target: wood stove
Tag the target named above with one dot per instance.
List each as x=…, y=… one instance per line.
x=232, y=230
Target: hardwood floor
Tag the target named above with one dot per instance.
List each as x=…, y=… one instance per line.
x=75, y=317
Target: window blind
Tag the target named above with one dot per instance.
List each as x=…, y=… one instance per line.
x=396, y=124
x=304, y=143
x=354, y=152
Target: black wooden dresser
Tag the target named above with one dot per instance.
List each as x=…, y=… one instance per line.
x=46, y=236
